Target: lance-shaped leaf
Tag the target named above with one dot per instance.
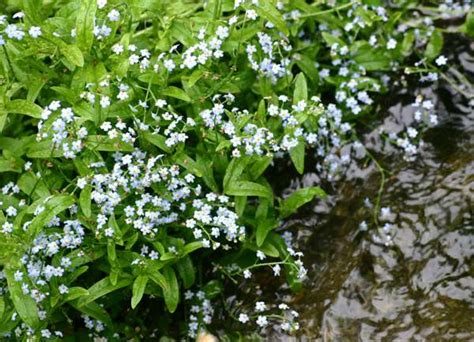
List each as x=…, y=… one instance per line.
x=138, y=289
x=24, y=304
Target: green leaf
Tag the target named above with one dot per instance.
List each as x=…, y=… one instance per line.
x=188, y=163
x=104, y=143
x=407, y=43
x=469, y=24
x=301, y=89
x=245, y=188
x=297, y=157
x=214, y=8
x=73, y=54
x=138, y=289
x=307, y=65
x=298, y=198
x=101, y=288
x=3, y=119
x=269, y=249
x=172, y=293
x=24, y=304
x=169, y=284
x=53, y=206
x=213, y=288
x=158, y=140
x=257, y=167
x=263, y=228
x=291, y=273
x=111, y=254
x=85, y=24
x=191, y=247
x=117, y=231
x=234, y=170
x=205, y=166
x=435, y=45
x=30, y=184
x=371, y=59
x=176, y=93
x=240, y=204
x=24, y=107
x=95, y=311
x=85, y=200
x=186, y=271
x=43, y=149
x=10, y=164
x=331, y=40
x=268, y=11
x=2, y=307
x=75, y=293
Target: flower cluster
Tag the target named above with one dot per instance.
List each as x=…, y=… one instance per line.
x=200, y=312
x=128, y=188
x=62, y=127
x=265, y=315
x=424, y=117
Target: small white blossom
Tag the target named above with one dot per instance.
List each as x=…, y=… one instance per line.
x=35, y=31
x=441, y=60
x=391, y=44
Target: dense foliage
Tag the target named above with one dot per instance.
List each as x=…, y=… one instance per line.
x=137, y=137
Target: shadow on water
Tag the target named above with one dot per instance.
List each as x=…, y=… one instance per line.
x=422, y=286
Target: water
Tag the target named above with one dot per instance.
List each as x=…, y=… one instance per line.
x=422, y=287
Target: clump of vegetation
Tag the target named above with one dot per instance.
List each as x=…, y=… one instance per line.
x=137, y=137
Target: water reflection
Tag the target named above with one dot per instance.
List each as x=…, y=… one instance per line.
x=422, y=286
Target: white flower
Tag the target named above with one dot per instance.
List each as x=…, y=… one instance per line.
x=106, y=126
x=114, y=15
x=35, y=31
x=276, y=270
x=18, y=276
x=7, y=227
x=45, y=333
x=101, y=3
x=134, y=59
x=373, y=40
x=260, y=255
x=104, y=101
x=160, y=103
x=247, y=274
x=243, y=318
x=18, y=15
x=441, y=60
x=251, y=14
x=392, y=44
x=169, y=64
x=12, y=31
x=81, y=183
x=63, y=289
x=11, y=211
x=260, y=306
x=117, y=49
x=412, y=132
x=262, y=321
x=222, y=32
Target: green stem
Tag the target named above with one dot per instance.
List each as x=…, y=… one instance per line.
x=329, y=10
x=381, y=187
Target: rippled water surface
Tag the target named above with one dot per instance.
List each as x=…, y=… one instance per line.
x=421, y=288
